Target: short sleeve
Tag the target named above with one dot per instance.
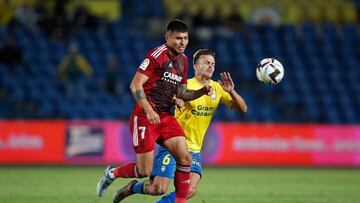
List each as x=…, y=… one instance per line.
x=226, y=98
x=148, y=66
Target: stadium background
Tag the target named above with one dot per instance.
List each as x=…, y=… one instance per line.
x=311, y=119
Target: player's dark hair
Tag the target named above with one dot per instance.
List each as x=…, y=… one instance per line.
x=177, y=25
x=201, y=52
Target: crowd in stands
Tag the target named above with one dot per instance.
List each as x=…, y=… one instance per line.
x=52, y=21
x=10, y=54
x=60, y=59
x=51, y=17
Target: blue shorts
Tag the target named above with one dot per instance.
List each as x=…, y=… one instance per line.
x=165, y=164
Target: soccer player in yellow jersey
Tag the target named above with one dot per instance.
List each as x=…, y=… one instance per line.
x=194, y=117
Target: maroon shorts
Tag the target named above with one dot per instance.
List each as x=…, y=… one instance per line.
x=144, y=135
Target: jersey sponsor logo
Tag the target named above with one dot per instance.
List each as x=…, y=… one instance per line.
x=205, y=108
x=171, y=77
x=203, y=111
x=145, y=64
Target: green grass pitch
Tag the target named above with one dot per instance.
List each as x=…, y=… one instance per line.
x=44, y=184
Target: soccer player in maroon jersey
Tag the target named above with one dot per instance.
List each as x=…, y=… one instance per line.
x=161, y=76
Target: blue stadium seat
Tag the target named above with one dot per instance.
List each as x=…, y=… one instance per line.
x=320, y=84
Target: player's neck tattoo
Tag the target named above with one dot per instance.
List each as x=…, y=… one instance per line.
x=138, y=94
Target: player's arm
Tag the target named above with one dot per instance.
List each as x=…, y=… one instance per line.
x=228, y=85
x=239, y=101
x=187, y=95
x=138, y=92
x=179, y=103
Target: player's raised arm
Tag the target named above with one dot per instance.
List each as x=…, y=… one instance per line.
x=138, y=92
x=228, y=85
x=188, y=95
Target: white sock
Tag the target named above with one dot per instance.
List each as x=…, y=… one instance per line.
x=111, y=173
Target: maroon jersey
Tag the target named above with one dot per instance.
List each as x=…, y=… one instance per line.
x=165, y=73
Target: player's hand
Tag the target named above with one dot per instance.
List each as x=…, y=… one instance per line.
x=153, y=117
x=179, y=103
x=211, y=92
x=226, y=82
x=208, y=90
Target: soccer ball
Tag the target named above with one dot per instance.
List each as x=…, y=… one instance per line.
x=270, y=71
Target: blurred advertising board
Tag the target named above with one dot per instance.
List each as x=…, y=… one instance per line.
x=98, y=142
x=282, y=144
x=65, y=142
x=119, y=147
x=84, y=142
x=103, y=142
x=31, y=142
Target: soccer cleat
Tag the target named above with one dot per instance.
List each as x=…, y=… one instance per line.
x=124, y=192
x=104, y=182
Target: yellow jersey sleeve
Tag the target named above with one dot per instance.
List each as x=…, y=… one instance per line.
x=196, y=115
x=226, y=99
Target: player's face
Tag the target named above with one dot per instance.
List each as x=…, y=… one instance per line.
x=177, y=41
x=205, y=66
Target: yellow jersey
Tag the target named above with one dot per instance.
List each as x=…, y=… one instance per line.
x=196, y=115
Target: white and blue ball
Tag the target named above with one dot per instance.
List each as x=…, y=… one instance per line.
x=270, y=71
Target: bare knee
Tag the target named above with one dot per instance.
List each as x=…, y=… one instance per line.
x=158, y=189
x=143, y=172
x=192, y=192
x=186, y=160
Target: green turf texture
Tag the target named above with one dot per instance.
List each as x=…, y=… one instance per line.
x=44, y=184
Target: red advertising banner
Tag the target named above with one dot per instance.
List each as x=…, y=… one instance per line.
x=263, y=144
x=103, y=142
x=98, y=142
x=65, y=142
x=285, y=144
x=23, y=142
x=343, y=145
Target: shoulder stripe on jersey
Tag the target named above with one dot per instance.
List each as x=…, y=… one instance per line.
x=157, y=50
x=158, y=53
x=135, y=132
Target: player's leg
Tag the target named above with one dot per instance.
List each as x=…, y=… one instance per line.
x=177, y=146
x=156, y=186
x=128, y=170
x=144, y=164
x=195, y=177
x=194, y=182
x=142, y=133
x=162, y=173
x=140, y=169
x=196, y=173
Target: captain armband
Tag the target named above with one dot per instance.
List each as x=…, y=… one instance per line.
x=139, y=94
